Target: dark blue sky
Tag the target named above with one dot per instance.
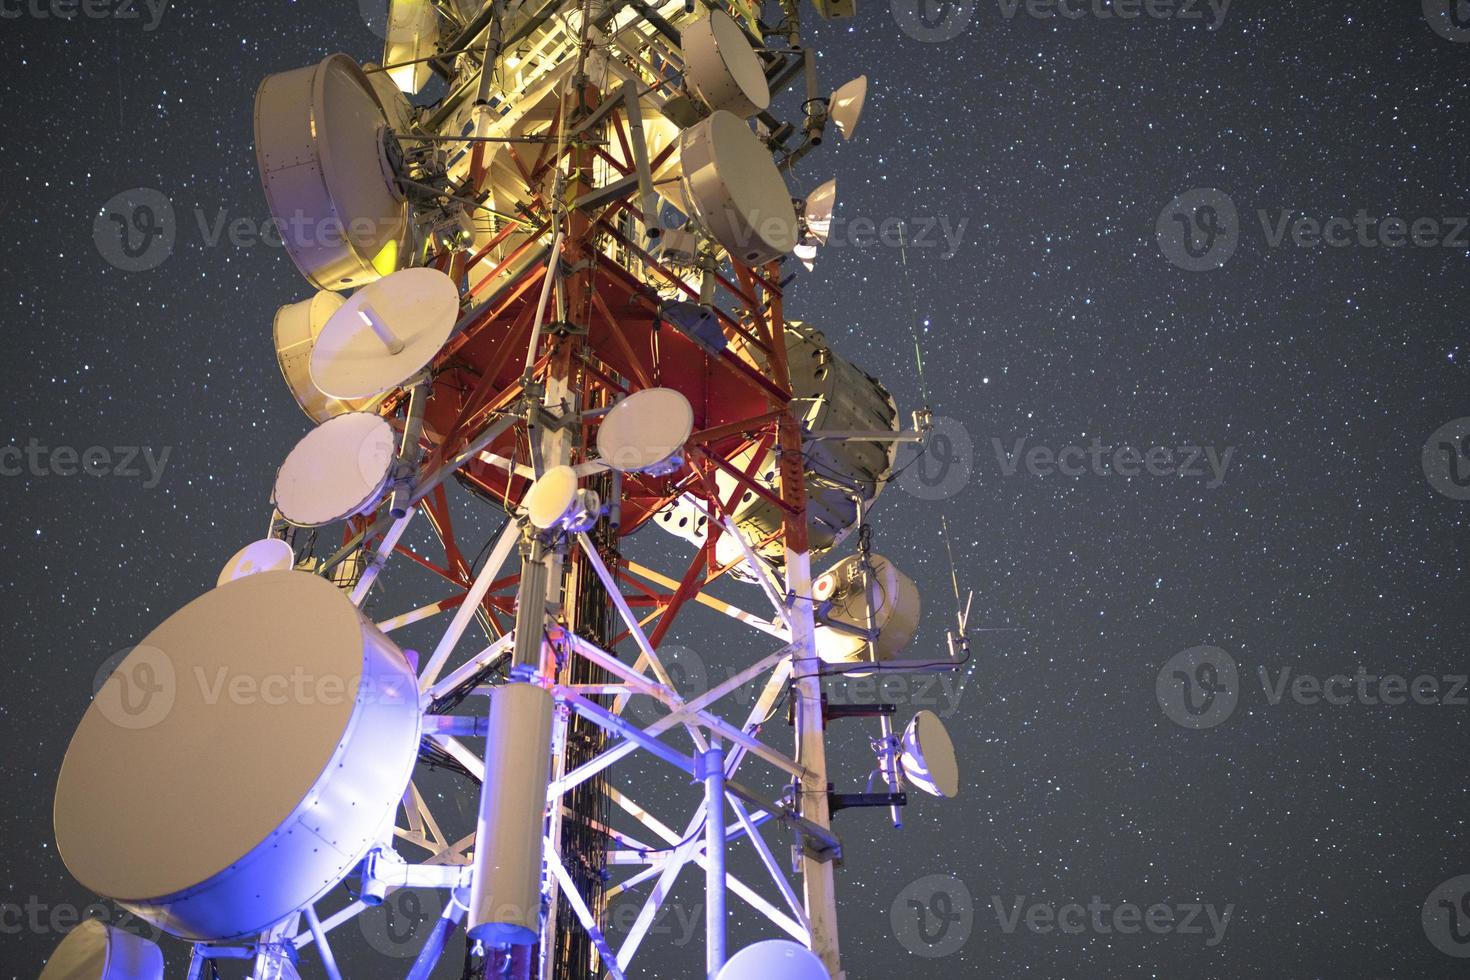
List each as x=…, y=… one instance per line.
x=1052, y=148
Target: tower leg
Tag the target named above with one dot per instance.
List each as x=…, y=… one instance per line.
x=713, y=762
x=818, y=878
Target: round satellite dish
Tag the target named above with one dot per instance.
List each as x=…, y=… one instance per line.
x=97, y=951
x=319, y=143
x=846, y=106
x=645, y=432
x=774, y=959
x=722, y=68
x=735, y=189
x=816, y=222
x=928, y=756
x=412, y=35
x=337, y=470
x=241, y=760
x=296, y=329
x=551, y=497
x=385, y=334
x=265, y=555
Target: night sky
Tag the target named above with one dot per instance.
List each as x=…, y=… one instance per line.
x=1055, y=148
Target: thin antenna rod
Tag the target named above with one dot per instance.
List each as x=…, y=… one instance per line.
x=908, y=281
x=954, y=575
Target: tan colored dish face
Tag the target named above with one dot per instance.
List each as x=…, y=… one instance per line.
x=646, y=430
x=265, y=555
x=722, y=68
x=240, y=759
x=337, y=470
x=385, y=334
x=97, y=951
x=736, y=191
x=318, y=140
x=928, y=756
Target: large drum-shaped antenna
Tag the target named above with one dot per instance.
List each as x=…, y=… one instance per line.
x=97, y=951
x=296, y=328
x=722, y=68
x=241, y=760
x=735, y=189
x=891, y=604
x=319, y=140
x=412, y=36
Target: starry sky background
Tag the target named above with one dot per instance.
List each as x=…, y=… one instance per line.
x=1057, y=143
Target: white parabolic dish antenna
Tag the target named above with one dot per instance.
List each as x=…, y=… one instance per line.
x=735, y=190
x=847, y=106
x=97, y=951
x=551, y=496
x=645, y=432
x=722, y=68
x=928, y=756
x=816, y=220
x=385, y=334
x=774, y=959
x=319, y=140
x=265, y=555
x=208, y=792
x=296, y=329
x=337, y=470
